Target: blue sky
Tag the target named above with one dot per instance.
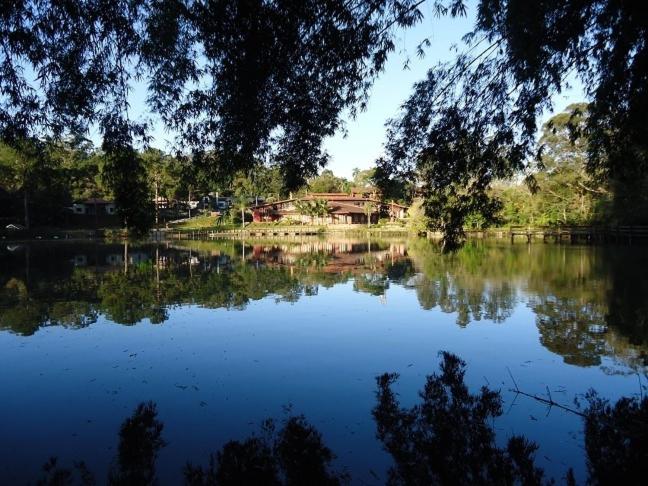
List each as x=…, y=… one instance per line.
x=365, y=136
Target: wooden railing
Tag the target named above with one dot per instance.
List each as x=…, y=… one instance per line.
x=581, y=233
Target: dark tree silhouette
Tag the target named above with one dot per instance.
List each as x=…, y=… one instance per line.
x=140, y=440
x=236, y=80
x=292, y=456
x=56, y=476
x=449, y=438
x=473, y=121
x=616, y=440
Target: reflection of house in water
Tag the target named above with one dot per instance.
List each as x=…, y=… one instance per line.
x=331, y=256
x=133, y=258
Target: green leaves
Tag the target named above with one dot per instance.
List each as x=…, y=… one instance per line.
x=473, y=121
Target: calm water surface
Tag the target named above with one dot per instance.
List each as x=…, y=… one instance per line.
x=223, y=335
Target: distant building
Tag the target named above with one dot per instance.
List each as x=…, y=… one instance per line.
x=94, y=206
x=343, y=208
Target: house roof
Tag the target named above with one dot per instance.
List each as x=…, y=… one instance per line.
x=365, y=189
x=333, y=198
x=345, y=208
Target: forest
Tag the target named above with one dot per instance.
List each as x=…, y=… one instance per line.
x=38, y=184
x=467, y=133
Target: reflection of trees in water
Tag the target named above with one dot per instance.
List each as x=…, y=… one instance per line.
x=447, y=438
x=144, y=283
x=460, y=283
x=589, y=302
x=574, y=329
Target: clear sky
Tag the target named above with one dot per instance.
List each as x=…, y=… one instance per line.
x=365, y=136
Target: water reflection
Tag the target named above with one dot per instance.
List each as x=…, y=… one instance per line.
x=589, y=302
x=446, y=439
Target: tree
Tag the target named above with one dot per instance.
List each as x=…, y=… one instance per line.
x=363, y=178
x=28, y=170
x=562, y=190
x=369, y=209
x=303, y=208
x=303, y=64
x=417, y=221
x=328, y=182
x=160, y=174
x=448, y=438
x=319, y=208
x=472, y=122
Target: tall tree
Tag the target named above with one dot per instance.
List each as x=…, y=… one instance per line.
x=236, y=80
x=473, y=121
x=327, y=181
x=161, y=175
x=363, y=178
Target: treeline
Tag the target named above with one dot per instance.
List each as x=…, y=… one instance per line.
x=39, y=181
x=564, y=189
x=559, y=187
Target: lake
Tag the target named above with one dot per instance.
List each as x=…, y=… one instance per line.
x=222, y=335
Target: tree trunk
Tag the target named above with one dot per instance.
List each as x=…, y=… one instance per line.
x=242, y=218
x=26, y=208
x=157, y=208
x=189, y=203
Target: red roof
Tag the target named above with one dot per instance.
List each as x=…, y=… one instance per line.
x=330, y=197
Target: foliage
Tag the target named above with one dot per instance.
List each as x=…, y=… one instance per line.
x=328, y=182
x=417, y=221
x=473, y=121
x=563, y=191
x=312, y=208
x=125, y=173
x=38, y=179
x=616, y=439
x=293, y=455
x=69, y=66
x=140, y=440
x=448, y=438
x=363, y=178
x=369, y=208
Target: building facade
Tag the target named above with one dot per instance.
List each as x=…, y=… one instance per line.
x=341, y=208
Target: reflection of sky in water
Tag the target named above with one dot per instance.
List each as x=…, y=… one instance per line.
x=215, y=374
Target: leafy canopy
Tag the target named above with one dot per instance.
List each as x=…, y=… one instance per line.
x=473, y=121
x=236, y=80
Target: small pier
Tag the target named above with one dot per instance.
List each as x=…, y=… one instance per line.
x=579, y=234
